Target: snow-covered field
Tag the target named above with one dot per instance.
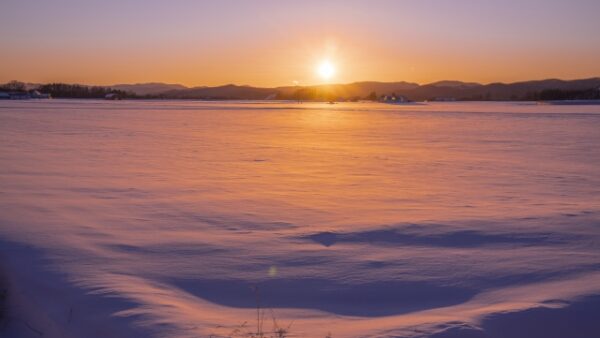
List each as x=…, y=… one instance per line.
x=176, y=219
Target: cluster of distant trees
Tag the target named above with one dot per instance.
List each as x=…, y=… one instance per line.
x=68, y=90
x=557, y=94
x=317, y=94
x=543, y=95
x=83, y=92
x=13, y=86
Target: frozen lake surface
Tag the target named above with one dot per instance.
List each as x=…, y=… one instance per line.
x=177, y=218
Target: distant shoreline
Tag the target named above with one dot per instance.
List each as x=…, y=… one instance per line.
x=572, y=102
x=590, y=102
x=550, y=90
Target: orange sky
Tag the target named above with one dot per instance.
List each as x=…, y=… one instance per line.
x=275, y=43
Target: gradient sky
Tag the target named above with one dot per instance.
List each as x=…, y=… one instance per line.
x=272, y=43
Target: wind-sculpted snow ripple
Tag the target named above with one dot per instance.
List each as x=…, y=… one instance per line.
x=453, y=239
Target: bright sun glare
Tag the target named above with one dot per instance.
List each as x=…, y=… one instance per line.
x=326, y=70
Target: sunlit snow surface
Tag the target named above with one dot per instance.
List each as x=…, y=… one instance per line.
x=175, y=218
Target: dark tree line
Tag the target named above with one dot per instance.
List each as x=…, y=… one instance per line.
x=82, y=92
x=558, y=94
x=13, y=86
x=63, y=90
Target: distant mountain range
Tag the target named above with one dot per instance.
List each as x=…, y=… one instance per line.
x=249, y=92
x=360, y=90
x=442, y=90
x=497, y=91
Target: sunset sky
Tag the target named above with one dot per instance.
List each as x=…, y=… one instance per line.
x=278, y=43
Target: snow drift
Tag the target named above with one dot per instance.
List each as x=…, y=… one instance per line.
x=179, y=219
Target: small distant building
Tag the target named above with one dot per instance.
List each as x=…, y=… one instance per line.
x=37, y=95
x=394, y=99
x=4, y=96
x=112, y=96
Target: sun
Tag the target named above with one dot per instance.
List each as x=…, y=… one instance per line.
x=326, y=70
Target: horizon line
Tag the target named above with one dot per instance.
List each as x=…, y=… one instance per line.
x=302, y=85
